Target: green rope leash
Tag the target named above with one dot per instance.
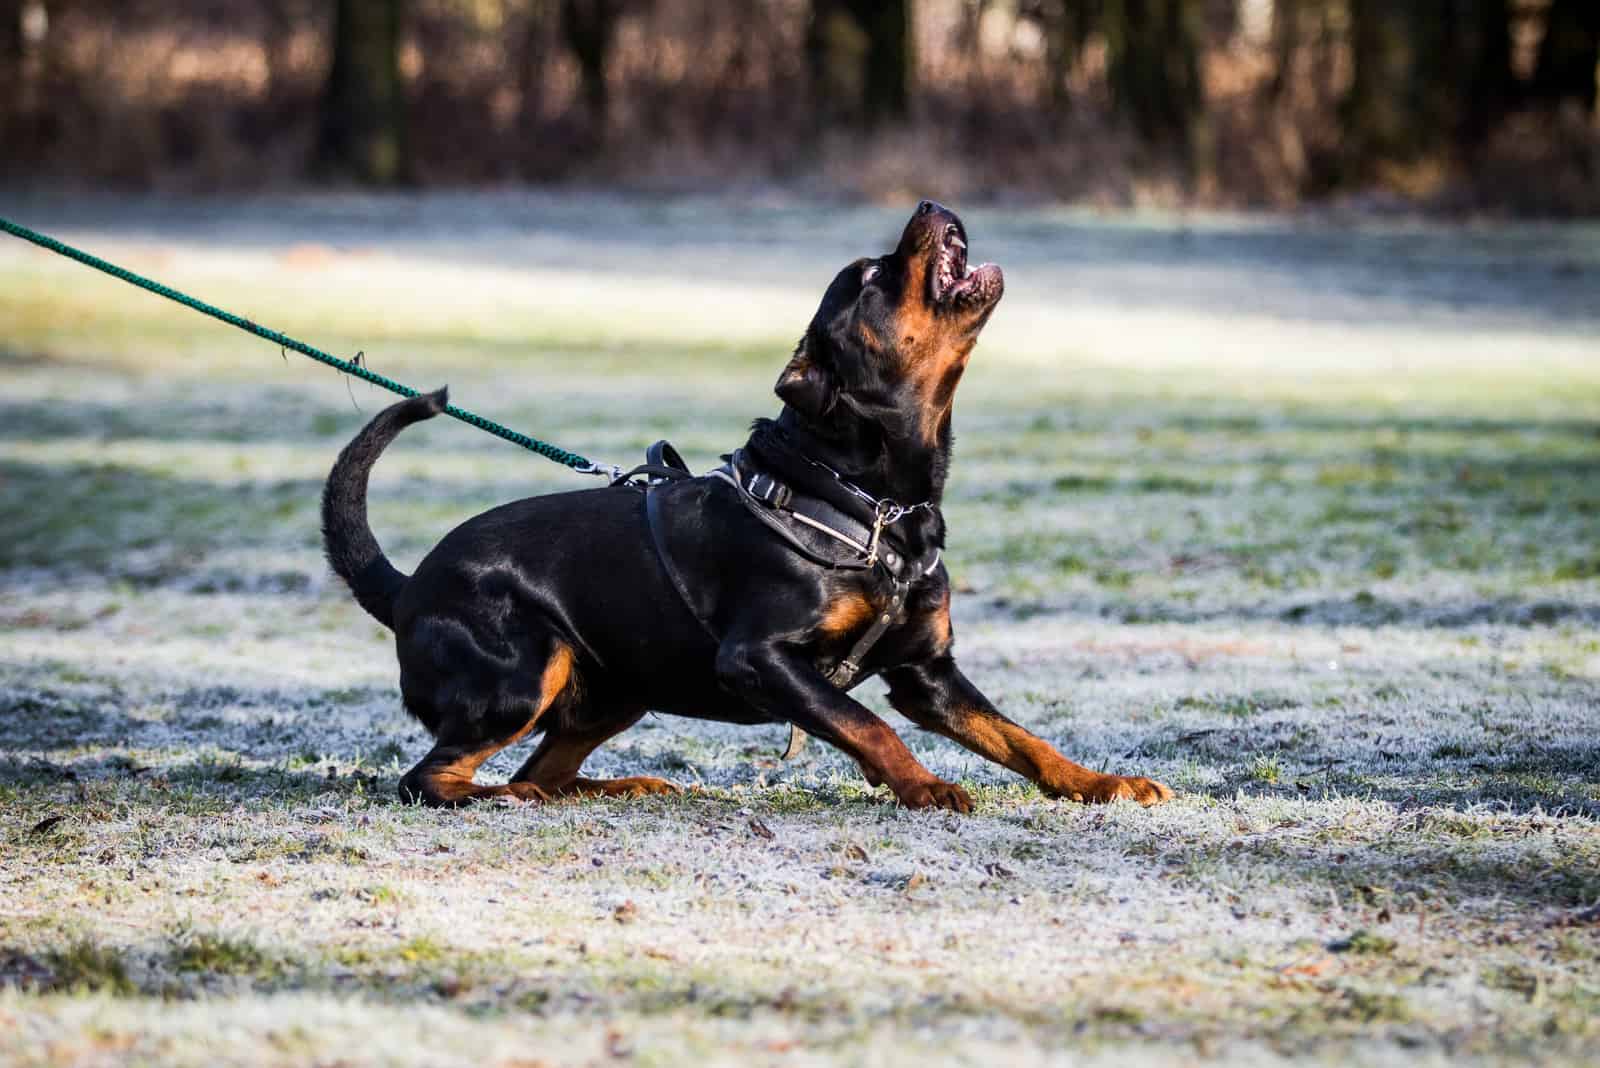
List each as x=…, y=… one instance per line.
x=543, y=448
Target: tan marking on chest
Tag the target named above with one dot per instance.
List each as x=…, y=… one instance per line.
x=932, y=361
x=941, y=621
x=845, y=614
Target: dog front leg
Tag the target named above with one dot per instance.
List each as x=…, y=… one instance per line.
x=936, y=696
x=786, y=685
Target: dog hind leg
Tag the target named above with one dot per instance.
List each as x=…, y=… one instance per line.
x=553, y=768
x=445, y=776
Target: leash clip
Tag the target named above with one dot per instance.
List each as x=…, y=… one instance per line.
x=611, y=472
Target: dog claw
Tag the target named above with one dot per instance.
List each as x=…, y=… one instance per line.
x=937, y=794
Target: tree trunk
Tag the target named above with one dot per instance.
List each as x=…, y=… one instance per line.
x=589, y=27
x=362, y=134
x=10, y=36
x=1430, y=79
x=14, y=127
x=1484, y=52
x=1286, y=36
x=859, y=57
x=1569, y=54
x=11, y=53
x=532, y=56
x=1154, y=66
x=1065, y=26
x=1378, y=112
x=889, y=57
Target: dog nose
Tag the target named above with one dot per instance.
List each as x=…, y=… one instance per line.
x=928, y=207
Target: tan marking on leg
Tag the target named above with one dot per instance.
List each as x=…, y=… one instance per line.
x=554, y=766
x=557, y=673
x=884, y=758
x=1028, y=755
x=444, y=776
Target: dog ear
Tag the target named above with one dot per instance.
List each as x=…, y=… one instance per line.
x=806, y=386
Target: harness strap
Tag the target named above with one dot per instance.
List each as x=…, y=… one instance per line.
x=819, y=515
x=662, y=454
x=771, y=502
x=770, y=517
x=844, y=673
x=650, y=475
x=652, y=514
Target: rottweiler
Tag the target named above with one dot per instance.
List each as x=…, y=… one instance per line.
x=759, y=593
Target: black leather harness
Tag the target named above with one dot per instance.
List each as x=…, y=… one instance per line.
x=786, y=512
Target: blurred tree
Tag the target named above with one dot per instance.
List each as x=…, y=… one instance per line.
x=23, y=25
x=362, y=132
x=533, y=56
x=1429, y=79
x=281, y=18
x=1065, y=26
x=589, y=27
x=1391, y=46
x=10, y=71
x=1286, y=34
x=1481, y=57
x=10, y=37
x=860, y=59
x=1569, y=54
x=1154, y=65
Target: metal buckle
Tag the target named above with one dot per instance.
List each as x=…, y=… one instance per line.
x=769, y=491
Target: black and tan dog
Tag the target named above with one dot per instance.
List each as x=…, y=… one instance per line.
x=759, y=595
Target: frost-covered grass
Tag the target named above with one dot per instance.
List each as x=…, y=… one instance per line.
x=1327, y=562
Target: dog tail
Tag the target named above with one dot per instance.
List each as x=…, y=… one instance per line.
x=347, y=540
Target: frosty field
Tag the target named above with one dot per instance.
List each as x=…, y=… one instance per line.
x=1302, y=519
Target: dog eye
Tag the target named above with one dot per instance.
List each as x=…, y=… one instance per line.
x=869, y=272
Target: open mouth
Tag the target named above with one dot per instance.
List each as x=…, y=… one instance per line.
x=953, y=282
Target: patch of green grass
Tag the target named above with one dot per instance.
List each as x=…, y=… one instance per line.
x=1373, y=1006
x=422, y=949
x=216, y=954
x=88, y=966
x=1578, y=569
x=1237, y=706
x=1365, y=943
x=1266, y=769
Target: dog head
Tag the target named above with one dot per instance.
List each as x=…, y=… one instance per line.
x=893, y=334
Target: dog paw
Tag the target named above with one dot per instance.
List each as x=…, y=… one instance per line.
x=641, y=786
x=637, y=786
x=524, y=792
x=936, y=794
x=1110, y=788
